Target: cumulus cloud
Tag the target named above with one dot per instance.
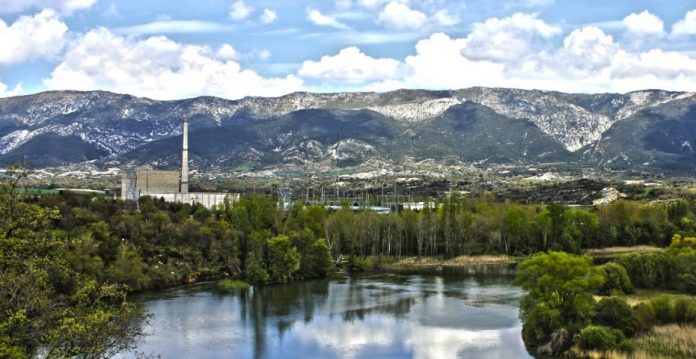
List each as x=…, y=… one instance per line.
x=398, y=15
x=240, y=10
x=507, y=39
x=642, y=28
x=41, y=36
x=106, y=61
x=444, y=18
x=517, y=53
x=66, y=7
x=685, y=26
x=350, y=65
x=588, y=50
x=6, y=92
x=317, y=18
x=268, y=16
x=227, y=52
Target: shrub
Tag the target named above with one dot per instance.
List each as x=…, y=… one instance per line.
x=616, y=313
x=685, y=269
x=597, y=337
x=645, y=317
x=254, y=269
x=649, y=269
x=616, y=280
x=662, y=306
x=231, y=285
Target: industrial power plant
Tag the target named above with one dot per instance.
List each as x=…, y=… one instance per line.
x=172, y=186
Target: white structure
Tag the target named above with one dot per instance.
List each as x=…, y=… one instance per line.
x=172, y=186
x=184, y=186
x=208, y=200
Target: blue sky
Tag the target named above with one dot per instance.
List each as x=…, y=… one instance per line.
x=176, y=49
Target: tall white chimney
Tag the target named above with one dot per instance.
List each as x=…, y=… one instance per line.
x=184, y=160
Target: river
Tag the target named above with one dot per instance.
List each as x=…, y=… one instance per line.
x=388, y=315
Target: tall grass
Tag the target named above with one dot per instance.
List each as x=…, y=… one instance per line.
x=668, y=341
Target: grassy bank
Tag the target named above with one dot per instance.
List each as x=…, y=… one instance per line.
x=232, y=285
x=644, y=295
x=461, y=261
x=668, y=341
x=612, y=252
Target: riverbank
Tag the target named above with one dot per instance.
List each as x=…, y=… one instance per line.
x=428, y=263
x=667, y=341
x=609, y=253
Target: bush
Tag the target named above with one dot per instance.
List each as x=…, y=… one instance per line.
x=645, y=317
x=662, y=306
x=616, y=280
x=597, y=337
x=685, y=269
x=649, y=270
x=616, y=313
x=361, y=263
x=232, y=285
x=254, y=269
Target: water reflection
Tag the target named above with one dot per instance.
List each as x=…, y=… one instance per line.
x=384, y=316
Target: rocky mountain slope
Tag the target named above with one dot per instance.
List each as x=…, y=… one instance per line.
x=648, y=130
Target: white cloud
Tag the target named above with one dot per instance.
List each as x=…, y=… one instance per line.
x=371, y=4
x=685, y=26
x=665, y=65
x=16, y=91
x=268, y=16
x=444, y=18
x=240, y=10
x=642, y=28
x=398, y=15
x=439, y=64
x=41, y=36
x=588, y=50
x=175, y=27
x=66, y=7
x=106, y=61
x=319, y=19
x=507, y=39
x=589, y=60
x=350, y=65
x=227, y=52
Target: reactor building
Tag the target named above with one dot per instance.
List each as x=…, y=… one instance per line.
x=172, y=186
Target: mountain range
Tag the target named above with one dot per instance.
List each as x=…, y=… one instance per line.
x=646, y=131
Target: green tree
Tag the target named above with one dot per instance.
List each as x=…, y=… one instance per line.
x=616, y=280
x=44, y=302
x=127, y=268
x=558, y=294
x=284, y=259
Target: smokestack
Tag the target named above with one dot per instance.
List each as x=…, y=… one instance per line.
x=184, y=159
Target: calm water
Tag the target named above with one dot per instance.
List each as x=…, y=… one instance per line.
x=375, y=316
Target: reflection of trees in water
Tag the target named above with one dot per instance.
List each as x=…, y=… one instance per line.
x=356, y=297
x=281, y=306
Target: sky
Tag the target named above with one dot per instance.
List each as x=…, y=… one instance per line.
x=165, y=49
